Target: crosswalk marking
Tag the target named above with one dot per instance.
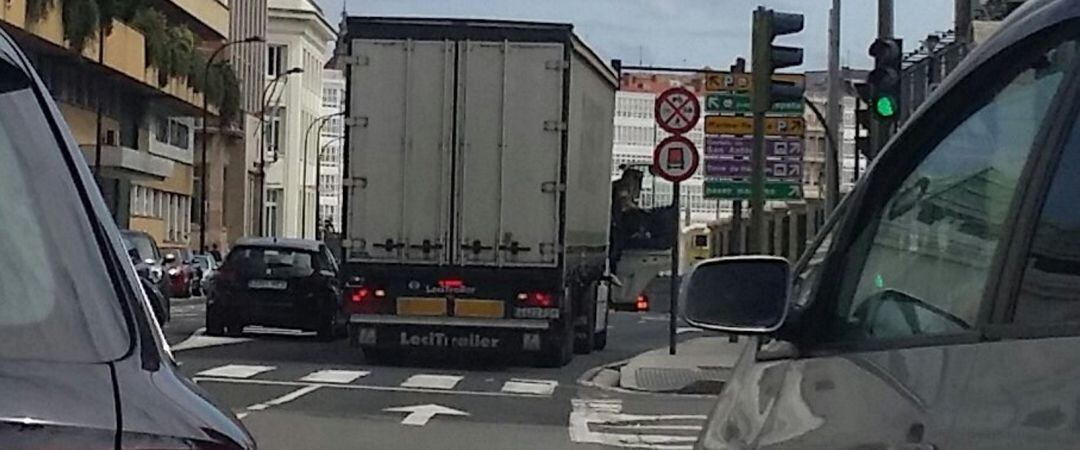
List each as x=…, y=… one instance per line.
x=236, y=371
x=526, y=386
x=603, y=422
x=335, y=376
x=426, y=381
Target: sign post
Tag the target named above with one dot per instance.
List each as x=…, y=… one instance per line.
x=676, y=159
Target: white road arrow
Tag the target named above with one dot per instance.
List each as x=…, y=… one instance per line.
x=419, y=415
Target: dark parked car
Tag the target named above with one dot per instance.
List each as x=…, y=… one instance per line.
x=151, y=264
x=288, y=283
x=941, y=308
x=82, y=363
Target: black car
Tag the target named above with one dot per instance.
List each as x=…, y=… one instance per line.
x=288, y=283
x=82, y=363
x=150, y=265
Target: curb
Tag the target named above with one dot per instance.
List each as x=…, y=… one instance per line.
x=586, y=379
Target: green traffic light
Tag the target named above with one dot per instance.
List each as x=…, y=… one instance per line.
x=886, y=106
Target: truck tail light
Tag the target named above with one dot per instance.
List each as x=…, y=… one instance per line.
x=536, y=299
x=364, y=299
x=642, y=303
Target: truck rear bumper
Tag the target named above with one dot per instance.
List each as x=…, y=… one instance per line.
x=387, y=319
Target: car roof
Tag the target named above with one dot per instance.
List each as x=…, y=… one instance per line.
x=309, y=245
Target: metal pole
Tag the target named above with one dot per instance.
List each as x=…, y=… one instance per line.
x=736, y=227
x=267, y=89
x=321, y=120
x=673, y=311
x=834, y=113
x=885, y=18
x=962, y=15
x=98, y=108
x=761, y=69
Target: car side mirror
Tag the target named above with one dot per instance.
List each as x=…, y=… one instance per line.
x=170, y=258
x=739, y=295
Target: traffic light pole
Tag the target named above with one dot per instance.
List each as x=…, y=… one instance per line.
x=673, y=305
x=833, y=113
x=762, y=76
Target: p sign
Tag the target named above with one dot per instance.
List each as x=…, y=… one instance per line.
x=677, y=110
x=675, y=159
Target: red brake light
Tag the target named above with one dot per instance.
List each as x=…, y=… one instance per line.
x=452, y=283
x=642, y=303
x=360, y=294
x=536, y=299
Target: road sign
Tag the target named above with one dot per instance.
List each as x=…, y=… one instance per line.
x=743, y=82
x=739, y=103
x=677, y=110
x=789, y=170
x=740, y=190
x=733, y=146
x=774, y=126
x=675, y=158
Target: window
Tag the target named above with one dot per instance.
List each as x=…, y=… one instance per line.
x=276, y=59
x=920, y=265
x=273, y=212
x=1048, y=292
x=275, y=130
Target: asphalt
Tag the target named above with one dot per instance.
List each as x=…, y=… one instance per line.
x=295, y=392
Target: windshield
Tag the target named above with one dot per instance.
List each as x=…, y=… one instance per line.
x=144, y=245
x=57, y=301
x=271, y=262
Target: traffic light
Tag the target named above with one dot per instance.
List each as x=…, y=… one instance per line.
x=884, y=80
x=769, y=24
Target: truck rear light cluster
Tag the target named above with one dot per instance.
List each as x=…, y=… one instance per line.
x=536, y=299
x=364, y=300
x=360, y=294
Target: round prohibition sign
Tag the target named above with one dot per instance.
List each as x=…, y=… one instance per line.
x=676, y=159
x=677, y=110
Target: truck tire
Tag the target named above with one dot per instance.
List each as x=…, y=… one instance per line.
x=214, y=325
x=562, y=349
x=585, y=321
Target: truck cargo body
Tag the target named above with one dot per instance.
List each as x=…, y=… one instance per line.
x=476, y=187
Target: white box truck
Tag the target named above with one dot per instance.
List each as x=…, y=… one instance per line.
x=476, y=189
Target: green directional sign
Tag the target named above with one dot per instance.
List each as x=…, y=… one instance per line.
x=739, y=103
x=740, y=190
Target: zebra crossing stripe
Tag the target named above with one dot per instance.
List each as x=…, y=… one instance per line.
x=425, y=381
x=335, y=376
x=526, y=386
x=235, y=371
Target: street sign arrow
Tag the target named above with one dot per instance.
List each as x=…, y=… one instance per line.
x=419, y=415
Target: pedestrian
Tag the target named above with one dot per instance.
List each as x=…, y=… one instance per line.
x=215, y=252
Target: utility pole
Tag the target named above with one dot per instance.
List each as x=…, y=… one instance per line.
x=737, y=205
x=834, y=113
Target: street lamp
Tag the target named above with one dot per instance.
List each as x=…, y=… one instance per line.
x=318, y=181
x=204, y=178
x=321, y=120
x=267, y=89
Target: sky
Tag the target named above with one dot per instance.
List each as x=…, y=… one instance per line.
x=683, y=33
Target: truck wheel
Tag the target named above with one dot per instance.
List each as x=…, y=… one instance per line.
x=214, y=324
x=562, y=350
x=585, y=323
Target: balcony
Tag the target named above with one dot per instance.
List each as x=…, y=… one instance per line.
x=14, y=12
x=212, y=14
x=130, y=163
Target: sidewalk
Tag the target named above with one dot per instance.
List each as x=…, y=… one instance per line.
x=701, y=366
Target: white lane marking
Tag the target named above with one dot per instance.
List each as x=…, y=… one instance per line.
x=278, y=331
x=361, y=387
x=681, y=330
x=335, y=376
x=526, y=386
x=241, y=415
x=198, y=340
x=419, y=415
x=284, y=398
x=628, y=430
x=425, y=381
x=235, y=371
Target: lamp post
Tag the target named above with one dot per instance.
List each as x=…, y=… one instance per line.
x=321, y=120
x=267, y=89
x=318, y=181
x=204, y=178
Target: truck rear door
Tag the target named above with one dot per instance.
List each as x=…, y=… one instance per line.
x=510, y=131
x=401, y=133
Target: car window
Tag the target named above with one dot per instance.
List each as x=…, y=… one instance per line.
x=144, y=245
x=272, y=262
x=1050, y=290
x=920, y=265
x=57, y=302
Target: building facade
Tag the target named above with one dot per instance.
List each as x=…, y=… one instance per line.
x=331, y=145
x=132, y=121
x=298, y=38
